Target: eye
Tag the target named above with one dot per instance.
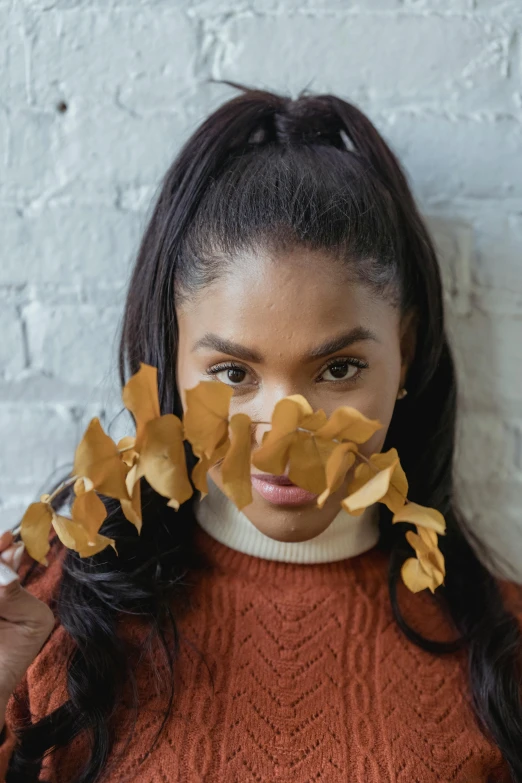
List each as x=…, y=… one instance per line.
x=340, y=370
x=231, y=374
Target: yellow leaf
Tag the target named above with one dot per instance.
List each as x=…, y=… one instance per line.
x=307, y=459
x=431, y=559
x=82, y=485
x=339, y=463
x=206, y=419
x=398, y=489
x=35, y=528
x=199, y=475
x=88, y=510
x=371, y=492
x=422, y=516
x=98, y=459
x=200, y=470
x=140, y=397
x=132, y=508
x=235, y=470
x=128, y=453
x=347, y=423
x=74, y=536
x=162, y=458
x=273, y=454
x=416, y=578
x=314, y=421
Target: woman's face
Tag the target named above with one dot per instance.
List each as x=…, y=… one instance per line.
x=294, y=324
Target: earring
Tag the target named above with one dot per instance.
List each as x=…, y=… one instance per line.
x=402, y=393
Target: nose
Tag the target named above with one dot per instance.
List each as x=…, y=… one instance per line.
x=264, y=409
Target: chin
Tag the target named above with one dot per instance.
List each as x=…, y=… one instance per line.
x=291, y=527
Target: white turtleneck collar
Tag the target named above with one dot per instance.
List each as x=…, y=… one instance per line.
x=346, y=536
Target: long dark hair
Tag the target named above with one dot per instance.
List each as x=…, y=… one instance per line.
x=265, y=169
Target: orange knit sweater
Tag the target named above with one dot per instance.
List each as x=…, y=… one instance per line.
x=287, y=672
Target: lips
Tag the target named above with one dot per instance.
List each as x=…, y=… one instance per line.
x=280, y=491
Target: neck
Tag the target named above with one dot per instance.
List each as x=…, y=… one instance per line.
x=346, y=536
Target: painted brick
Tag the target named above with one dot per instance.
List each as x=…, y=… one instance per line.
x=378, y=55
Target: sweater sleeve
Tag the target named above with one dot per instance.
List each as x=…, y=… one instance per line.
x=8, y=742
x=17, y=714
x=42, y=582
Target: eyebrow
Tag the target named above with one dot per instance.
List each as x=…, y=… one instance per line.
x=217, y=343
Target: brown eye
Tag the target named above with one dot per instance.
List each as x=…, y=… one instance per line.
x=235, y=375
x=343, y=370
x=231, y=374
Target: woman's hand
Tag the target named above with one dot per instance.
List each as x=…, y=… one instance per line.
x=25, y=622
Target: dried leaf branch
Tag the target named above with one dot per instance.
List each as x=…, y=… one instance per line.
x=317, y=450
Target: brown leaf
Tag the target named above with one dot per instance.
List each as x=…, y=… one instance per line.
x=162, y=459
x=89, y=511
x=74, y=536
x=371, y=492
x=128, y=453
x=140, y=397
x=431, y=559
x=97, y=458
x=422, y=516
x=273, y=454
x=307, y=460
x=416, y=578
x=398, y=489
x=395, y=496
x=203, y=465
x=347, y=423
x=205, y=420
x=339, y=463
x=35, y=528
x=235, y=470
x=132, y=508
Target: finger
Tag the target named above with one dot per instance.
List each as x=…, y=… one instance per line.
x=7, y=575
x=20, y=607
x=13, y=555
x=6, y=540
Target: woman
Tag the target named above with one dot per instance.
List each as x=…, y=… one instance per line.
x=285, y=255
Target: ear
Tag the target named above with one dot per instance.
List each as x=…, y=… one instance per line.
x=408, y=341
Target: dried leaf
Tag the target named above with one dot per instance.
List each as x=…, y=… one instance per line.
x=35, y=528
x=415, y=577
x=88, y=510
x=74, y=536
x=398, y=489
x=422, y=516
x=307, y=460
x=348, y=423
x=206, y=419
x=273, y=454
x=140, y=397
x=371, y=492
x=97, y=458
x=82, y=485
x=128, y=453
x=395, y=496
x=162, y=458
x=235, y=470
x=431, y=559
x=132, y=508
x=339, y=463
x=203, y=465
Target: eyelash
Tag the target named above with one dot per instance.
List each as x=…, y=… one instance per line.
x=334, y=362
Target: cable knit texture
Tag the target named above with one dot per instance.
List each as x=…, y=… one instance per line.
x=288, y=672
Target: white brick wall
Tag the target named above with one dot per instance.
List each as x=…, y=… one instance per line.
x=440, y=78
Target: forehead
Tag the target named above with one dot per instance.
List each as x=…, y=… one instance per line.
x=293, y=299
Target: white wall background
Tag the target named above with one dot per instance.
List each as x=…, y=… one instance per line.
x=96, y=97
